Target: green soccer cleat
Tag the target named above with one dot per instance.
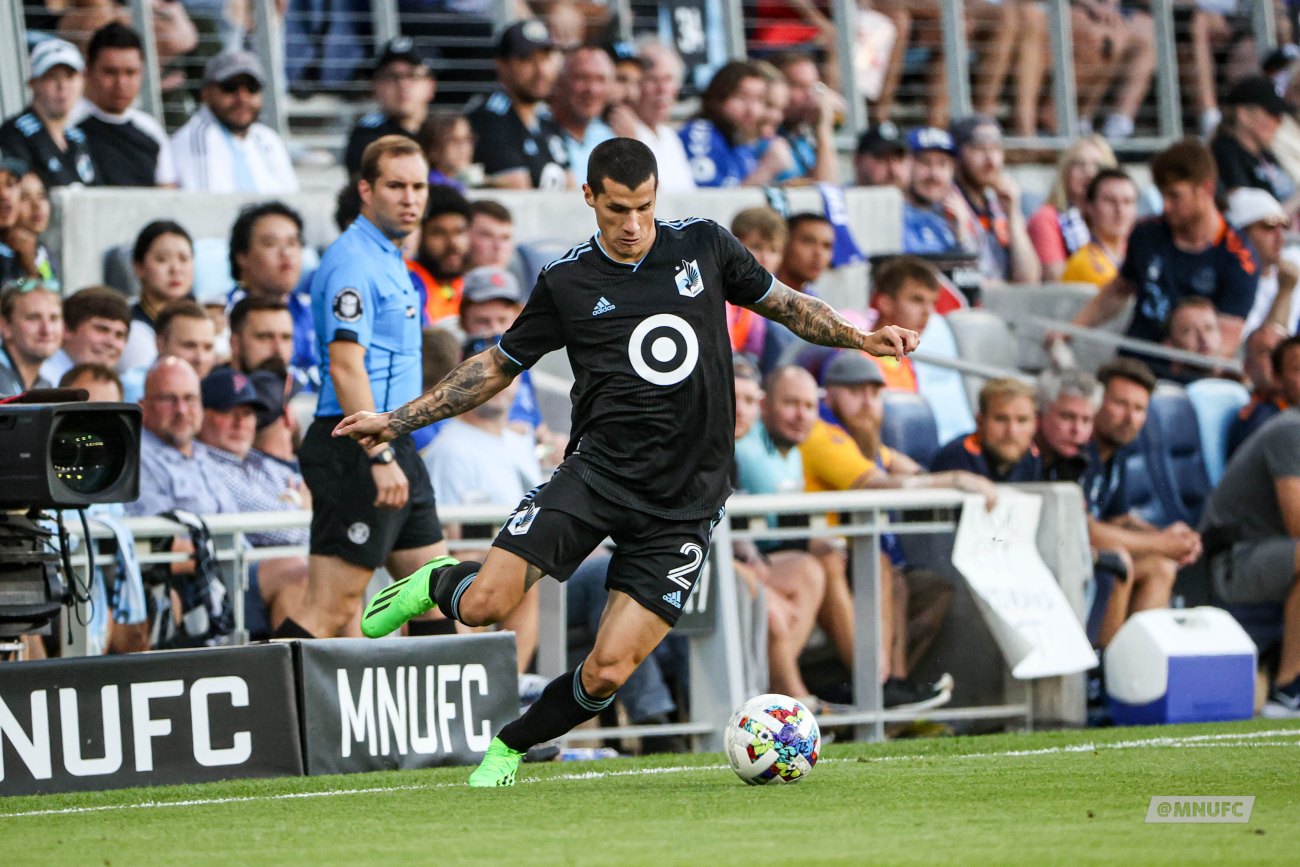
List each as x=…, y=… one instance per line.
x=497, y=768
x=404, y=600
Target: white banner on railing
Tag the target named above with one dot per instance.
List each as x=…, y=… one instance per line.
x=1030, y=619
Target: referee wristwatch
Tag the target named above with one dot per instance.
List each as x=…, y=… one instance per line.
x=387, y=456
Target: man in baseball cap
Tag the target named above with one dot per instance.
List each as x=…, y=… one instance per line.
x=519, y=145
x=223, y=148
x=403, y=85
x=1243, y=146
x=932, y=208
x=1263, y=221
x=881, y=157
x=490, y=301
x=1006, y=253
x=41, y=135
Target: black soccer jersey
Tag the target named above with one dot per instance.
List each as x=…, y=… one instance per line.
x=504, y=143
x=370, y=128
x=653, y=401
x=25, y=137
x=124, y=154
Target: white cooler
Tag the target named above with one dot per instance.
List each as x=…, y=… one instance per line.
x=1179, y=666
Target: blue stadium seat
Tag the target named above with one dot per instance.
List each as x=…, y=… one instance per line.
x=1262, y=622
x=942, y=387
x=1217, y=402
x=1180, y=439
x=909, y=426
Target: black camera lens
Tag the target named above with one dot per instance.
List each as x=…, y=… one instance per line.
x=88, y=451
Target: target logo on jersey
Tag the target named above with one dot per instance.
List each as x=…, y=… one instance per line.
x=663, y=349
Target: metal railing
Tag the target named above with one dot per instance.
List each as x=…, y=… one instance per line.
x=718, y=684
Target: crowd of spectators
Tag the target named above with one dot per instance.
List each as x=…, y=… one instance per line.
x=1207, y=271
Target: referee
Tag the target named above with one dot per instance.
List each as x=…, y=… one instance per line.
x=373, y=506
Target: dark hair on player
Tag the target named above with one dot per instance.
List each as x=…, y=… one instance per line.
x=92, y=302
x=240, y=312
x=241, y=233
x=113, y=35
x=624, y=161
x=1130, y=369
x=152, y=232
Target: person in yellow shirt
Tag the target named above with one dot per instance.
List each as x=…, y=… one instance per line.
x=1111, y=212
x=848, y=455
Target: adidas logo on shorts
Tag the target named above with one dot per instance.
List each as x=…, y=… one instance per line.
x=602, y=306
x=674, y=599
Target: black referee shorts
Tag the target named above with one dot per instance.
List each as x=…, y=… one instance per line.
x=657, y=561
x=344, y=521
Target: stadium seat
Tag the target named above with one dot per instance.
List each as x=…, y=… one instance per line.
x=118, y=272
x=1217, y=402
x=909, y=426
x=1180, y=440
x=1059, y=301
x=942, y=387
x=1262, y=622
x=983, y=337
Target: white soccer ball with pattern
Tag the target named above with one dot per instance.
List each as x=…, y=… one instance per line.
x=772, y=739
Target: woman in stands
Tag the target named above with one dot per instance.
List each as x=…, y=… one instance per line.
x=163, y=258
x=448, y=144
x=723, y=141
x=1057, y=229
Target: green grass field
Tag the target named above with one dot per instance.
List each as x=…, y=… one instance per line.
x=1048, y=798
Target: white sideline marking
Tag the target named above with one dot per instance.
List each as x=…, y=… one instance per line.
x=1242, y=739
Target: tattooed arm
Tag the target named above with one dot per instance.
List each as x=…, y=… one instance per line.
x=468, y=385
x=817, y=322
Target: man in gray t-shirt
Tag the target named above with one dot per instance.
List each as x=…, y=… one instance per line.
x=1251, y=529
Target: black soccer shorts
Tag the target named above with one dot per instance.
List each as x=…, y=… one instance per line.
x=657, y=561
x=344, y=520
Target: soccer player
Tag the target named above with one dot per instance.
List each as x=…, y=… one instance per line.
x=640, y=309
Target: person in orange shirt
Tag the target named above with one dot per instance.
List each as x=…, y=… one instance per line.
x=439, y=265
x=763, y=232
x=848, y=455
x=906, y=291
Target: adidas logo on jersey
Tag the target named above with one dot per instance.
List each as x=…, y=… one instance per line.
x=674, y=599
x=602, y=306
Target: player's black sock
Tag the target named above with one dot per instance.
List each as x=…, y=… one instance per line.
x=449, y=583
x=290, y=628
x=564, y=705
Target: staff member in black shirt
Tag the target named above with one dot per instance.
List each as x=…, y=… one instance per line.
x=39, y=135
x=519, y=145
x=130, y=148
x=1242, y=143
x=403, y=85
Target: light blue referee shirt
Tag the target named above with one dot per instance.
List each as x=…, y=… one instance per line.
x=363, y=293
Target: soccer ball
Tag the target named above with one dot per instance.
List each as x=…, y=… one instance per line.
x=772, y=739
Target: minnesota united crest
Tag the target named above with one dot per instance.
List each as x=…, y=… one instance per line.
x=690, y=282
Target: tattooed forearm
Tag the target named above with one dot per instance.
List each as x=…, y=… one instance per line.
x=810, y=318
x=470, y=384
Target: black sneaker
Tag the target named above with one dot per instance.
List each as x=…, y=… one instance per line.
x=1283, y=702
x=907, y=694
